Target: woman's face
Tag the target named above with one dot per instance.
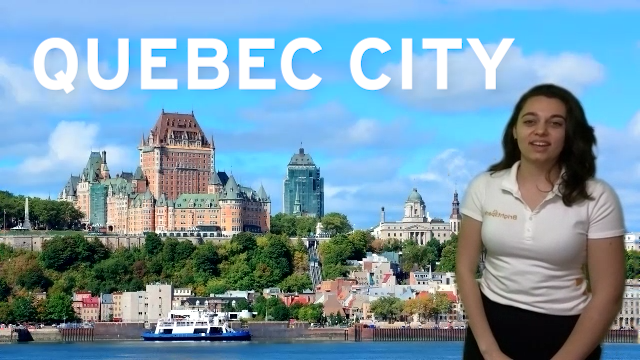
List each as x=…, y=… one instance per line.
x=540, y=130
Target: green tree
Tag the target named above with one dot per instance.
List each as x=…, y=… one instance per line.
x=59, y=308
x=5, y=290
x=296, y=283
x=6, y=313
x=448, y=258
x=276, y=310
x=311, y=313
x=34, y=279
x=336, y=223
x=23, y=309
x=440, y=305
x=152, y=244
x=633, y=264
x=241, y=304
x=206, y=259
x=387, y=307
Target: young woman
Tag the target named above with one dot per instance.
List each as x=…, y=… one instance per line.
x=543, y=218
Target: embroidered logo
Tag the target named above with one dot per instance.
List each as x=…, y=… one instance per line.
x=496, y=213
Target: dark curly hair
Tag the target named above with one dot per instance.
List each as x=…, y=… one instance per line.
x=577, y=156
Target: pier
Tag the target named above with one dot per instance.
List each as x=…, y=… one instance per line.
x=361, y=333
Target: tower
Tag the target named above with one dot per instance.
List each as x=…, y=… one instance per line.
x=303, y=187
x=455, y=218
x=415, y=208
x=27, y=224
x=176, y=157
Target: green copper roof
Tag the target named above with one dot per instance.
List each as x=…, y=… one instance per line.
x=415, y=196
x=185, y=201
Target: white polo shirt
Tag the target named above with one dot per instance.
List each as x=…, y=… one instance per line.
x=535, y=256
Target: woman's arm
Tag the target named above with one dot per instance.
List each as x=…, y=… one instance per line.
x=606, y=264
x=469, y=245
x=607, y=273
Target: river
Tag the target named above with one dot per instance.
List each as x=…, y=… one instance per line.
x=260, y=350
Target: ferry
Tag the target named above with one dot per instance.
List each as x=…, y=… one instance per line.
x=195, y=325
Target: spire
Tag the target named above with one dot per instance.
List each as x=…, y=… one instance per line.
x=214, y=179
x=296, y=204
x=262, y=194
x=455, y=206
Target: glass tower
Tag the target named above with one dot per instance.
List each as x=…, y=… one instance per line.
x=303, y=188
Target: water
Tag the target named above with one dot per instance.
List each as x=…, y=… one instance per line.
x=260, y=350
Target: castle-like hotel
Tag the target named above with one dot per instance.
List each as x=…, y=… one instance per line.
x=175, y=189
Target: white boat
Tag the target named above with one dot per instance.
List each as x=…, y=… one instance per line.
x=190, y=325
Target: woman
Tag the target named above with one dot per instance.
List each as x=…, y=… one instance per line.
x=542, y=216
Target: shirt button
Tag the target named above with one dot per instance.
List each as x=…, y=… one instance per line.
x=530, y=217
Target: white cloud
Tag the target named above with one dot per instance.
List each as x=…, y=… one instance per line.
x=466, y=78
x=335, y=130
x=67, y=152
x=19, y=89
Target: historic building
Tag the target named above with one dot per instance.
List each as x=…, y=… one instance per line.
x=176, y=157
x=303, y=187
x=416, y=224
x=175, y=188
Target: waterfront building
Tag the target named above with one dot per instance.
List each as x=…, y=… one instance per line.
x=416, y=223
x=303, y=187
x=629, y=315
x=166, y=193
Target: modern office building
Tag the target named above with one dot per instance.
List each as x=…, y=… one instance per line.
x=303, y=188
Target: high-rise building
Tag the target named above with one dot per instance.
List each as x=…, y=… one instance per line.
x=303, y=192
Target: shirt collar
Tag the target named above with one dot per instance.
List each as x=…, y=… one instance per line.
x=510, y=182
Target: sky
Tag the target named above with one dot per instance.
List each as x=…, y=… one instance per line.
x=372, y=147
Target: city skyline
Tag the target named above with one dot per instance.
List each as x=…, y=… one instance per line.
x=373, y=147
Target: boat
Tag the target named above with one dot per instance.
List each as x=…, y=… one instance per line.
x=195, y=325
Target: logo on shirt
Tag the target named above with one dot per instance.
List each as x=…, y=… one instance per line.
x=496, y=213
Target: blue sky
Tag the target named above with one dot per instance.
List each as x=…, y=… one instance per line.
x=373, y=147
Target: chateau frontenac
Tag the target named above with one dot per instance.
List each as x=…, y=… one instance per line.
x=174, y=188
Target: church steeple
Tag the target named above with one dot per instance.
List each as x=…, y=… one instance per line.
x=455, y=206
x=455, y=219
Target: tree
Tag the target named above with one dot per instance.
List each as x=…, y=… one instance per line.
x=296, y=283
x=387, y=307
x=448, y=258
x=23, y=309
x=206, y=259
x=292, y=225
x=311, y=313
x=152, y=244
x=59, y=308
x=420, y=305
x=276, y=309
x=5, y=290
x=335, y=223
x=241, y=304
x=440, y=305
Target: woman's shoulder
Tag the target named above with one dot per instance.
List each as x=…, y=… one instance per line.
x=599, y=188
